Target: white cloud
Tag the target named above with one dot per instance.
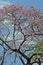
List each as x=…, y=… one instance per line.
x=4, y=3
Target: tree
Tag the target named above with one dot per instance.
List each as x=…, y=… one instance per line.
x=20, y=32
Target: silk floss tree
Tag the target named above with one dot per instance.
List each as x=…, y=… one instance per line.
x=21, y=35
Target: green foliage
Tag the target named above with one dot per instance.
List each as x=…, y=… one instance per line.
x=39, y=47
x=41, y=17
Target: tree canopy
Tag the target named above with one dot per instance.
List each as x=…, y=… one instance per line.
x=21, y=34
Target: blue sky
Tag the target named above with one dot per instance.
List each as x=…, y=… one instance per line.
x=26, y=3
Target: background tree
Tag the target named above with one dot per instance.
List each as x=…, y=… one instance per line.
x=21, y=35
